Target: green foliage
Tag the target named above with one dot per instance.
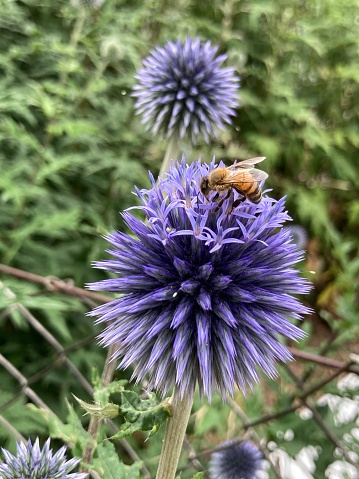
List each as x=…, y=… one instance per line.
x=109, y=466
x=101, y=392
x=110, y=410
x=72, y=149
x=106, y=460
x=71, y=432
x=141, y=414
x=21, y=418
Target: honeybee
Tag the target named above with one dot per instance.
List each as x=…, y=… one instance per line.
x=241, y=177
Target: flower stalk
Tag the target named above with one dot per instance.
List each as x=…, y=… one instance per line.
x=172, y=152
x=174, y=435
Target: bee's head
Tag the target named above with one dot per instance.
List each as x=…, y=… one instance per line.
x=204, y=186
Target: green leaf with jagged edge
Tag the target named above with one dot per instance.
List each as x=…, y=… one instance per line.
x=71, y=433
x=108, y=465
x=102, y=407
x=102, y=393
x=141, y=414
x=110, y=410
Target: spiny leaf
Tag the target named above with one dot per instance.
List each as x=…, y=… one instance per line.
x=96, y=409
x=141, y=414
x=102, y=393
x=107, y=463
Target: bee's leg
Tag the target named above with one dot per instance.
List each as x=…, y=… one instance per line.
x=221, y=201
x=238, y=202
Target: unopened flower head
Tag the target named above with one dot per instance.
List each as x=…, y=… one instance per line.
x=32, y=462
x=299, y=235
x=206, y=295
x=183, y=89
x=112, y=49
x=236, y=461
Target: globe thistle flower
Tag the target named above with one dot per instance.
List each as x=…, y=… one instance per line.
x=206, y=296
x=183, y=89
x=236, y=461
x=35, y=463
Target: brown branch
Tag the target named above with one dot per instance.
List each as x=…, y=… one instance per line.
x=270, y=417
x=58, y=285
x=106, y=379
x=324, y=361
x=30, y=393
x=302, y=397
x=54, y=284
x=10, y=428
x=318, y=419
x=322, y=352
x=52, y=341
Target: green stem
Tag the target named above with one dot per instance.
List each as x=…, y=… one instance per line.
x=174, y=435
x=172, y=152
x=95, y=422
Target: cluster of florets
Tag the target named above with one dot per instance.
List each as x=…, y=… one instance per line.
x=183, y=89
x=236, y=460
x=205, y=298
x=31, y=462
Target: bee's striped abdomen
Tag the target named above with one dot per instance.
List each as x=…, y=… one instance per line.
x=256, y=196
x=249, y=187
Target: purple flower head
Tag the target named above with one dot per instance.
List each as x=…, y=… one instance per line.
x=205, y=295
x=236, y=461
x=182, y=89
x=32, y=462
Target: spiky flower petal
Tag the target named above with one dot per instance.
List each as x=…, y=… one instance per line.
x=31, y=462
x=206, y=296
x=236, y=461
x=183, y=89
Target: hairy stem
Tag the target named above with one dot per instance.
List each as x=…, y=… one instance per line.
x=95, y=422
x=174, y=435
x=172, y=152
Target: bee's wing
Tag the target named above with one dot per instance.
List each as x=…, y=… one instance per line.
x=246, y=164
x=259, y=175
x=240, y=176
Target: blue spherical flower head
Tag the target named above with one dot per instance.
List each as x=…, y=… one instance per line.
x=35, y=463
x=206, y=295
x=236, y=461
x=183, y=89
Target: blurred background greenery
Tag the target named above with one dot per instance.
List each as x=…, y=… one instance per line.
x=72, y=149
